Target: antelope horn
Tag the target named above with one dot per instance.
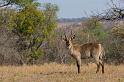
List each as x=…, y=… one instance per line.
x=73, y=35
x=65, y=36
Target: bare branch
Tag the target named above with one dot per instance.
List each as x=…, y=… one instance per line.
x=6, y=4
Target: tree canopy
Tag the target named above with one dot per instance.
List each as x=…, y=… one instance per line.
x=31, y=22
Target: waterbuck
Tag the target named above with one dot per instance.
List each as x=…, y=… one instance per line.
x=88, y=50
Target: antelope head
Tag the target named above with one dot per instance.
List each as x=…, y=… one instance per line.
x=68, y=41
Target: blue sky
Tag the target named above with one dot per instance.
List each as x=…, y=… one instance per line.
x=78, y=8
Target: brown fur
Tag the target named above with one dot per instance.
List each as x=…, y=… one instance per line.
x=94, y=50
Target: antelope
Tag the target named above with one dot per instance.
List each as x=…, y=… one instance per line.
x=87, y=50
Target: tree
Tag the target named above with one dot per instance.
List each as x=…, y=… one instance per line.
x=33, y=25
x=116, y=35
x=117, y=41
x=31, y=22
x=94, y=30
x=4, y=3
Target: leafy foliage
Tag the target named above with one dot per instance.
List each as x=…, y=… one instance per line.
x=31, y=22
x=117, y=44
x=95, y=30
x=33, y=26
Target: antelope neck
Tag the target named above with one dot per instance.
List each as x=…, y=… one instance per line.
x=71, y=48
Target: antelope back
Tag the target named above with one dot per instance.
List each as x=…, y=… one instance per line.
x=91, y=50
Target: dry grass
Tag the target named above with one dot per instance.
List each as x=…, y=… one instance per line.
x=60, y=73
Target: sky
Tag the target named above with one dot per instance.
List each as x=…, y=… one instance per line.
x=78, y=8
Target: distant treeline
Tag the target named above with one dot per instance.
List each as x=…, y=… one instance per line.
x=63, y=20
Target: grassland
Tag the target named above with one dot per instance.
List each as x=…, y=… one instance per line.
x=60, y=73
